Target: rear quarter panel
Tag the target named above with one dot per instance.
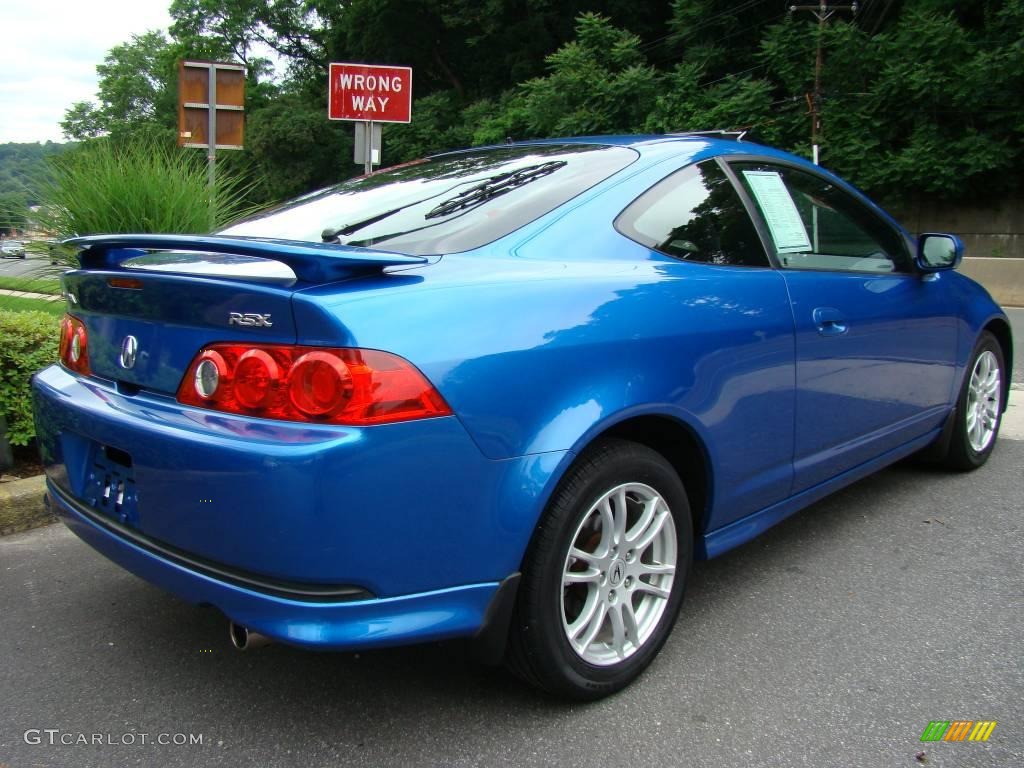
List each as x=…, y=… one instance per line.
x=539, y=355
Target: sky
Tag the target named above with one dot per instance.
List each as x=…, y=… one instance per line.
x=49, y=50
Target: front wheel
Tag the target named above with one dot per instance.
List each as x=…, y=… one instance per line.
x=979, y=408
x=604, y=577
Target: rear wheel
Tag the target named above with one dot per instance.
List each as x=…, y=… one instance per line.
x=979, y=407
x=605, y=575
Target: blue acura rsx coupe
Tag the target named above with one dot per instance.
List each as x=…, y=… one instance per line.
x=506, y=393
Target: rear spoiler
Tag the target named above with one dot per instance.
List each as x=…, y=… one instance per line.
x=311, y=262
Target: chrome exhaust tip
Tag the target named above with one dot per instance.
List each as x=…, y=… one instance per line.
x=245, y=640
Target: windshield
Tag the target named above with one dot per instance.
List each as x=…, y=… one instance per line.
x=443, y=204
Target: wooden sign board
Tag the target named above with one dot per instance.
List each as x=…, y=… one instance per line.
x=194, y=81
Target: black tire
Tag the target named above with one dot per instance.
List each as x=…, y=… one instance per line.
x=539, y=649
x=962, y=456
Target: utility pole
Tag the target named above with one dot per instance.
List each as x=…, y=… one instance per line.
x=823, y=11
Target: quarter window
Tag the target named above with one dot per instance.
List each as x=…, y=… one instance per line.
x=695, y=215
x=814, y=224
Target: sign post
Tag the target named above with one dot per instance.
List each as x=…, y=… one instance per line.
x=370, y=95
x=211, y=111
x=365, y=154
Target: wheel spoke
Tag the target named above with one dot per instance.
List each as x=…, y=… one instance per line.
x=618, y=631
x=655, y=569
x=991, y=385
x=590, y=610
x=590, y=558
x=651, y=589
x=646, y=537
x=594, y=625
x=650, y=507
x=621, y=516
x=629, y=622
x=590, y=576
x=604, y=509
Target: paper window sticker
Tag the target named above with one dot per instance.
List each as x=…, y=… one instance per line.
x=779, y=210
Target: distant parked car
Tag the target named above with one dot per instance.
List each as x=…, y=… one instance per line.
x=507, y=394
x=14, y=249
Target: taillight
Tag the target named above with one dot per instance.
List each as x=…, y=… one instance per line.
x=319, y=384
x=74, y=345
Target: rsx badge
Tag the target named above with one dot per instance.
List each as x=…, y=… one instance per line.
x=249, y=319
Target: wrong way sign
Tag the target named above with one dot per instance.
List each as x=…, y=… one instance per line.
x=369, y=92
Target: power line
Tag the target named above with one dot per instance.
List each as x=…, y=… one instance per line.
x=704, y=24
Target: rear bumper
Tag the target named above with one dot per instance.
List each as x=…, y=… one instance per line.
x=351, y=624
x=311, y=534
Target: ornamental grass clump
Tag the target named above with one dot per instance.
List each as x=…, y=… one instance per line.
x=103, y=188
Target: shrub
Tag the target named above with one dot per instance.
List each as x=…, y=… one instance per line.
x=28, y=342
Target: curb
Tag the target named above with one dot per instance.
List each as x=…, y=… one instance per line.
x=21, y=505
x=31, y=295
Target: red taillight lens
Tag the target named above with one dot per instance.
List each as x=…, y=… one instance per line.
x=74, y=345
x=257, y=376
x=358, y=387
x=319, y=384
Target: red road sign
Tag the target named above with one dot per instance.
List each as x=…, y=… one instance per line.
x=369, y=92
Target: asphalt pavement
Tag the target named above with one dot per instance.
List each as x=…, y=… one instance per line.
x=833, y=640
x=33, y=266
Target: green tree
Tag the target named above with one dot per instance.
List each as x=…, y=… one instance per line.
x=295, y=148
x=137, y=92
x=600, y=82
x=929, y=106
x=13, y=212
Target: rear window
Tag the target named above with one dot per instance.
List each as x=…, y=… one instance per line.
x=443, y=204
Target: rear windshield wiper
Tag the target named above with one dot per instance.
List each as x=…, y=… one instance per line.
x=494, y=186
x=487, y=189
x=333, y=235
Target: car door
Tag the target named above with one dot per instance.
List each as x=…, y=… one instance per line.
x=731, y=332
x=875, y=339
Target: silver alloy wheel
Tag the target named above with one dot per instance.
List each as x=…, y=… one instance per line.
x=983, y=399
x=618, y=574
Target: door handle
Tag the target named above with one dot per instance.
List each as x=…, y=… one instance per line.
x=829, y=321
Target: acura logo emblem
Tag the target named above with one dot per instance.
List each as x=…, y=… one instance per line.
x=129, y=349
x=617, y=573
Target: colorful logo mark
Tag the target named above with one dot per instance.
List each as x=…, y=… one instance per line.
x=958, y=730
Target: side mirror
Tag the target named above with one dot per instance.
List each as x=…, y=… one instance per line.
x=937, y=253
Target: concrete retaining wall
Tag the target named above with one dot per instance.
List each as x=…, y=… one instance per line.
x=990, y=231
x=1004, y=278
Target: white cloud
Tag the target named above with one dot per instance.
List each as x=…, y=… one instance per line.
x=48, y=56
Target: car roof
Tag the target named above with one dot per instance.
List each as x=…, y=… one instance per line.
x=701, y=143
x=729, y=138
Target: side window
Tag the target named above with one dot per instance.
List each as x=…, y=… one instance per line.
x=816, y=225
x=695, y=215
